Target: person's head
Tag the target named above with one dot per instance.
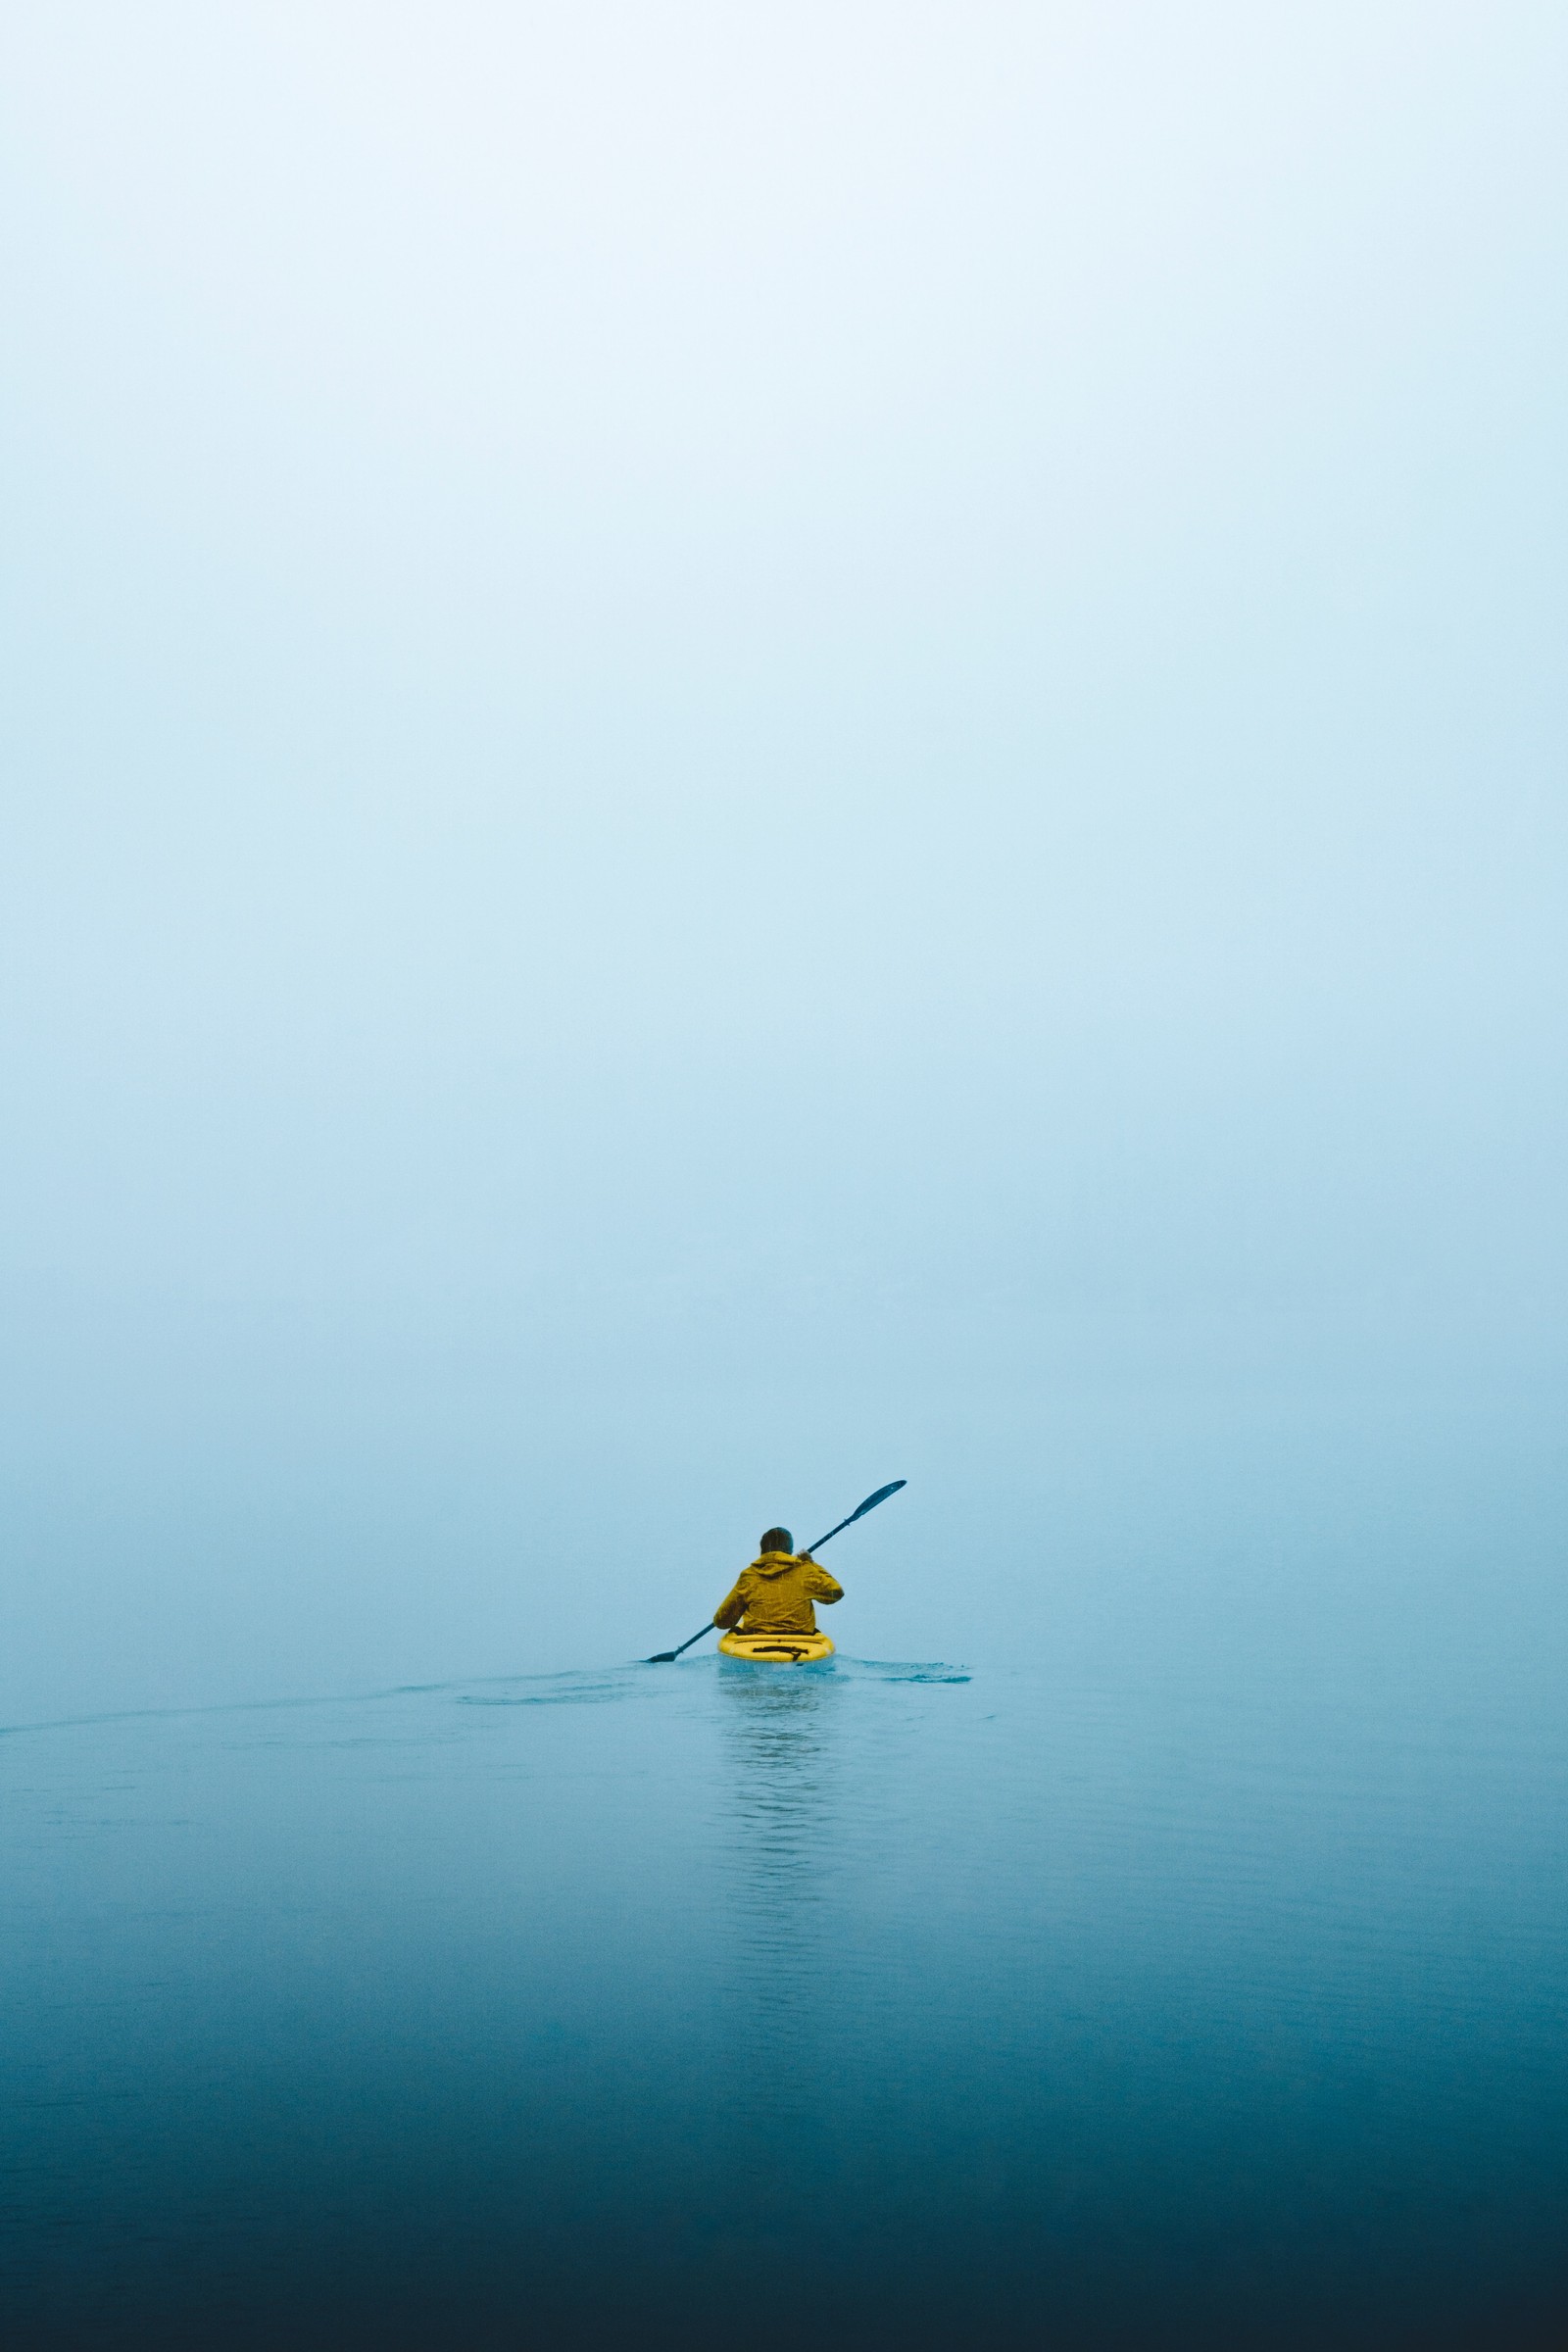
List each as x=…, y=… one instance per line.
x=778, y=1539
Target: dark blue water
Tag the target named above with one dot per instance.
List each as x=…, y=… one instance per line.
x=862, y=2005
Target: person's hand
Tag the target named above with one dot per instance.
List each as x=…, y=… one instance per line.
x=805, y=1555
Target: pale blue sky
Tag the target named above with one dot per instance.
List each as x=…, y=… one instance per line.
x=888, y=676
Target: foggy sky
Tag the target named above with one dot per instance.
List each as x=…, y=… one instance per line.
x=790, y=707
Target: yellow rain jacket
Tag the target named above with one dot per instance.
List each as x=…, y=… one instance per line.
x=774, y=1596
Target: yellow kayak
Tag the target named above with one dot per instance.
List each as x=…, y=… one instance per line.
x=776, y=1649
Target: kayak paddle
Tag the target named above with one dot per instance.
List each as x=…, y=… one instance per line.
x=667, y=1657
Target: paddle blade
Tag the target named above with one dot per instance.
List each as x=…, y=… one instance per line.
x=870, y=1504
x=871, y=1501
x=667, y=1657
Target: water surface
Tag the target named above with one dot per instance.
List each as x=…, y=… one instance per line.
x=857, y=2005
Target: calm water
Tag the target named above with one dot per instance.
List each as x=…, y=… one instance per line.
x=870, y=2005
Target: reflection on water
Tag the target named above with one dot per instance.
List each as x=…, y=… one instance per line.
x=776, y=1727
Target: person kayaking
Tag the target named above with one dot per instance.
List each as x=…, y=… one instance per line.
x=774, y=1594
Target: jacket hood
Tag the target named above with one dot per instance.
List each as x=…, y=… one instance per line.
x=773, y=1563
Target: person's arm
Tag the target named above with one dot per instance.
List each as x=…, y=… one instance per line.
x=732, y=1609
x=819, y=1584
